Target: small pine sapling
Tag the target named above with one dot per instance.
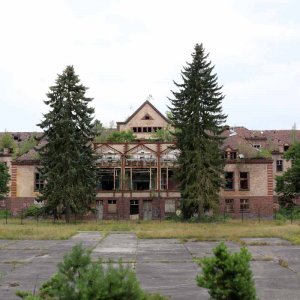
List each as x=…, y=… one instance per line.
x=227, y=275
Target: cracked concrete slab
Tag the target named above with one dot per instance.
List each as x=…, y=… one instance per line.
x=162, y=265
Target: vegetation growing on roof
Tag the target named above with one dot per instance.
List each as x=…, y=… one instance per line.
x=7, y=141
x=121, y=136
x=163, y=135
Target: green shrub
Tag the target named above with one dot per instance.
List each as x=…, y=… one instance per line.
x=78, y=278
x=4, y=212
x=227, y=276
x=34, y=211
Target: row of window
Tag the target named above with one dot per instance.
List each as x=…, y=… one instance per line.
x=244, y=205
x=134, y=179
x=244, y=182
x=145, y=129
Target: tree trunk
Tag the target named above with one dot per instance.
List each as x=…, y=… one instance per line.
x=68, y=213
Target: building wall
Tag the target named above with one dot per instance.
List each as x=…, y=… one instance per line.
x=260, y=193
x=25, y=181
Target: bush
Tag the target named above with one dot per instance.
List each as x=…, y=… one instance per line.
x=79, y=278
x=285, y=213
x=4, y=212
x=227, y=276
x=34, y=211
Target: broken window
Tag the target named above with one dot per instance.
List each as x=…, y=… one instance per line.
x=134, y=207
x=232, y=155
x=127, y=180
x=153, y=179
x=279, y=165
x=229, y=205
x=229, y=180
x=38, y=182
x=244, y=181
x=168, y=179
x=112, y=206
x=163, y=179
x=141, y=179
x=244, y=205
x=109, y=179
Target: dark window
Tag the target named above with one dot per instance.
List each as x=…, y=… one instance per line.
x=139, y=129
x=144, y=129
x=279, y=165
x=257, y=146
x=112, y=206
x=38, y=182
x=232, y=154
x=105, y=179
x=229, y=205
x=147, y=117
x=229, y=181
x=154, y=129
x=134, y=129
x=244, y=205
x=134, y=207
x=286, y=147
x=244, y=180
x=149, y=129
x=141, y=179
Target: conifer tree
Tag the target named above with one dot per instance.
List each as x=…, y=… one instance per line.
x=67, y=162
x=197, y=116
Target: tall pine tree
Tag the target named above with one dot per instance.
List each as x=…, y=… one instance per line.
x=67, y=162
x=197, y=115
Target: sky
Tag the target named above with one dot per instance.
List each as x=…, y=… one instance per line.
x=126, y=50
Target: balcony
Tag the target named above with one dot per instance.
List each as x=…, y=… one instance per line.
x=109, y=161
x=141, y=161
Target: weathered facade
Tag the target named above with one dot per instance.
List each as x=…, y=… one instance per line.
x=136, y=180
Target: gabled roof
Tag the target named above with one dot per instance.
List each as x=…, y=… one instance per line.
x=144, y=104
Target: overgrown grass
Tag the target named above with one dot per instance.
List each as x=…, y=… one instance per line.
x=230, y=230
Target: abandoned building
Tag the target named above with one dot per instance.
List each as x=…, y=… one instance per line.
x=136, y=179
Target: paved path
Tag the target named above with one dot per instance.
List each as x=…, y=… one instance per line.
x=162, y=265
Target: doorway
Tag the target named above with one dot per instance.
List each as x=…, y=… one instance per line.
x=147, y=209
x=99, y=209
x=134, y=209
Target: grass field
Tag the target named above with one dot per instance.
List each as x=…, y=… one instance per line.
x=230, y=230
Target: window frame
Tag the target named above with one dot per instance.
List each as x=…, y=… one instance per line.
x=229, y=208
x=246, y=203
x=232, y=180
x=247, y=179
x=279, y=166
x=38, y=182
x=112, y=207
